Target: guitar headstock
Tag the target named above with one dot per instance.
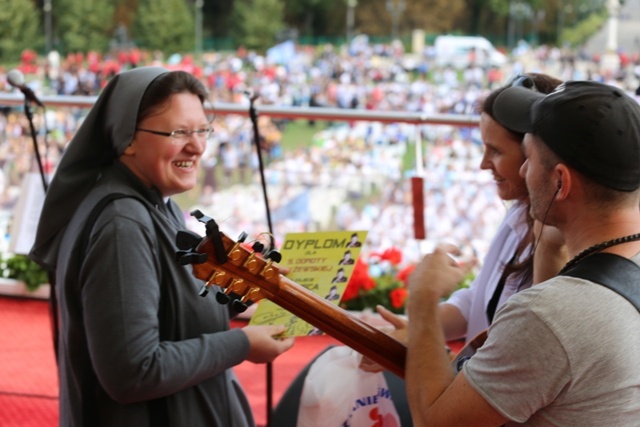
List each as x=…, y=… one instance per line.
x=242, y=271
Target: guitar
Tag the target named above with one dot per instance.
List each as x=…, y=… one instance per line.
x=219, y=260
x=459, y=359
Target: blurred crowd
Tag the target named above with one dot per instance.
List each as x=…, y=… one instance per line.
x=351, y=176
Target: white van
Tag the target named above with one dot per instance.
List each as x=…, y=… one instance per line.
x=461, y=51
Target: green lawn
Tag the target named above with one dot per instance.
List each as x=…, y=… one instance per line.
x=298, y=133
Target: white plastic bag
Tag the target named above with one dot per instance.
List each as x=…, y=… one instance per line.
x=337, y=393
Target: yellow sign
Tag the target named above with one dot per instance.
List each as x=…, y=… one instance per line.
x=321, y=262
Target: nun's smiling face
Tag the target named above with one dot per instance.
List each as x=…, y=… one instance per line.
x=170, y=163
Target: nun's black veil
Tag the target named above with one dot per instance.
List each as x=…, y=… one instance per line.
x=103, y=136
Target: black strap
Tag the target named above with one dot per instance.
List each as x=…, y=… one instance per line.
x=493, y=302
x=615, y=272
x=497, y=293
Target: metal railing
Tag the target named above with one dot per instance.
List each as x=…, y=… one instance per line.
x=318, y=113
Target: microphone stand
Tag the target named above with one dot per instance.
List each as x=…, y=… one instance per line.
x=36, y=150
x=53, y=302
x=256, y=136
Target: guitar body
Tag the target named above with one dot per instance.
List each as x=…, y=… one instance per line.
x=242, y=272
x=467, y=351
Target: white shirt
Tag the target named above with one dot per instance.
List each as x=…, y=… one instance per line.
x=472, y=302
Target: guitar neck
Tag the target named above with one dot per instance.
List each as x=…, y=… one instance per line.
x=220, y=261
x=342, y=325
x=254, y=278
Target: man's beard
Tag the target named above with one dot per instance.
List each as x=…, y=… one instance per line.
x=541, y=201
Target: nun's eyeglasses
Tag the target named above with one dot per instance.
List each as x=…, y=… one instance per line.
x=181, y=136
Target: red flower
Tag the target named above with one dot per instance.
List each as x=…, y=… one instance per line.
x=350, y=292
x=403, y=275
x=393, y=255
x=359, y=281
x=398, y=297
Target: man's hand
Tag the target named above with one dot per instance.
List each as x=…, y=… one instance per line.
x=399, y=332
x=436, y=276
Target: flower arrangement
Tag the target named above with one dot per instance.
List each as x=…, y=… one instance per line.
x=382, y=280
x=21, y=267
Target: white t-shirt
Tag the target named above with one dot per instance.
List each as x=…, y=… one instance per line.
x=562, y=353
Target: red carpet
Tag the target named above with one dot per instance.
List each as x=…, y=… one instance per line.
x=29, y=384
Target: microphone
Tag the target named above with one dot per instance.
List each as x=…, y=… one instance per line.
x=16, y=79
x=252, y=96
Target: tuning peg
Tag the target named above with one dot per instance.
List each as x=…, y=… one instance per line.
x=197, y=214
x=243, y=236
x=257, y=246
x=239, y=306
x=222, y=298
x=204, y=290
x=274, y=255
x=213, y=232
x=191, y=257
x=186, y=239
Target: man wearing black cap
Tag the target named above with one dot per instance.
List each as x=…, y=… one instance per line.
x=562, y=352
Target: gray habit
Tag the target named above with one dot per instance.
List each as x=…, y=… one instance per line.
x=137, y=345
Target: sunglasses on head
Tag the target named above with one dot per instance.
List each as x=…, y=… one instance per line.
x=522, y=81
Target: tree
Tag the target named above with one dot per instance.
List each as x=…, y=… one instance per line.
x=85, y=25
x=256, y=23
x=217, y=17
x=373, y=17
x=316, y=17
x=433, y=16
x=165, y=25
x=125, y=12
x=19, y=29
